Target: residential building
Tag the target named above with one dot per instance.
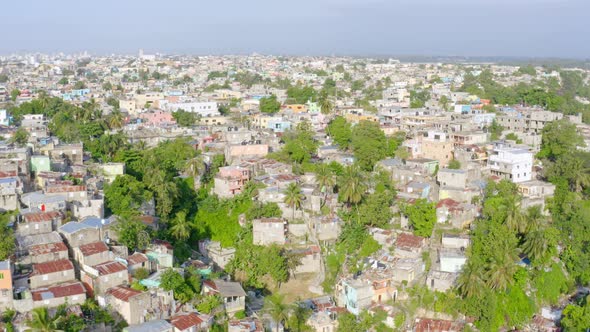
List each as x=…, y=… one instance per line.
x=266, y=231
x=232, y=294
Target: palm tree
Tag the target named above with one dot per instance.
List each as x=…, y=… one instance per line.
x=536, y=244
x=115, y=119
x=501, y=271
x=324, y=177
x=293, y=197
x=514, y=217
x=351, y=185
x=580, y=175
x=42, y=322
x=274, y=305
x=470, y=282
x=195, y=168
x=534, y=218
x=181, y=228
x=326, y=105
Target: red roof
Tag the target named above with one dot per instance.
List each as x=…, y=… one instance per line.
x=163, y=243
x=47, y=248
x=449, y=203
x=437, y=325
x=52, y=267
x=41, y=216
x=123, y=293
x=93, y=248
x=185, y=321
x=110, y=267
x=137, y=258
x=8, y=174
x=64, y=188
x=62, y=290
x=406, y=240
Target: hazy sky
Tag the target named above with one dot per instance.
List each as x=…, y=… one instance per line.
x=540, y=28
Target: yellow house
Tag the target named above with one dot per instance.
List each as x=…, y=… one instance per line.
x=297, y=108
x=356, y=118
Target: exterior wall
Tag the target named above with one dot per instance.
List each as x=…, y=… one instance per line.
x=111, y=280
x=40, y=164
x=266, y=233
x=57, y=301
x=33, y=228
x=452, y=178
x=5, y=286
x=440, y=151
x=92, y=260
x=451, y=263
x=38, y=281
x=54, y=256
x=132, y=311
x=511, y=164
x=84, y=236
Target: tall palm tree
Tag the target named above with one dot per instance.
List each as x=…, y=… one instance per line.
x=536, y=244
x=181, y=228
x=351, y=185
x=195, y=168
x=326, y=105
x=580, y=175
x=324, y=177
x=279, y=311
x=293, y=197
x=470, y=282
x=42, y=321
x=501, y=270
x=115, y=119
x=514, y=217
x=534, y=219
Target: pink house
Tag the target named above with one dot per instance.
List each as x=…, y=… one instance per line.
x=231, y=180
x=157, y=118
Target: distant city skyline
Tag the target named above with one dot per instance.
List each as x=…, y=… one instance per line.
x=518, y=28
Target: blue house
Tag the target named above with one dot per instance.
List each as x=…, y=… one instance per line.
x=356, y=295
x=279, y=126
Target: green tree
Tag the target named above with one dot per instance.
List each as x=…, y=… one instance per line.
x=7, y=241
x=132, y=232
x=14, y=94
x=115, y=119
x=63, y=81
x=185, y=119
x=125, y=195
x=351, y=185
x=41, y=321
x=576, y=317
x=209, y=303
x=301, y=94
x=422, y=216
x=326, y=104
x=181, y=228
x=559, y=137
x=276, y=308
x=454, y=164
x=495, y=130
x=293, y=197
x=270, y=105
x=369, y=144
x=20, y=137
x=340, y=131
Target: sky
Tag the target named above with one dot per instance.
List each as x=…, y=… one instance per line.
x=523, y=28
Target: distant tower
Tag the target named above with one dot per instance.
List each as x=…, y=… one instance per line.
x=141, y=53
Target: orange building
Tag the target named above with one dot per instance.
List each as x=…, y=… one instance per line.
x=5, y=285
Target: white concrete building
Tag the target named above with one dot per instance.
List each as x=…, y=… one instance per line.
x=514, y=164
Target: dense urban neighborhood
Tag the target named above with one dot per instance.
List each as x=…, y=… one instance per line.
x=169, y=193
